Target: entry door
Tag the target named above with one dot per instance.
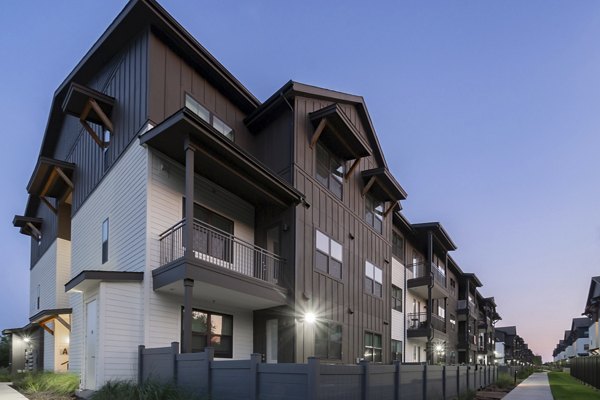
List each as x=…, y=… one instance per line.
x=90, y=344
x=272, y=341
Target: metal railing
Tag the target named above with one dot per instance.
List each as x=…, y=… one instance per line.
x=419, y=321
x=419, y=270
x=466, y=305
x=222, y=249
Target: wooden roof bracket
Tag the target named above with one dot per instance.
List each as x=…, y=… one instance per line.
x=34, y=230
x=63, y=322
x=91, y=104
x=46, y=327
x=390, y=209
x=318, y=132
x=368, y=186
x=352, y=168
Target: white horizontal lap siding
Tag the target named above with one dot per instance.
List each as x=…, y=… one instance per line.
x=49, y=350
x=120, y=197
x=77, y=333
x=63, y=271
x=121, y=330
x=398, y=317
x=44, y=275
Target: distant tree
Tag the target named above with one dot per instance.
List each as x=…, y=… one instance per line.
x=4, y=350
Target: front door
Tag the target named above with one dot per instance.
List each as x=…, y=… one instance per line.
x=272, y=341
x=91, y=311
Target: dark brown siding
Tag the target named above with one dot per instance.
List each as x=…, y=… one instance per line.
x=170, y=77
x=273, y=145
x=49, y=230
x=344, y=300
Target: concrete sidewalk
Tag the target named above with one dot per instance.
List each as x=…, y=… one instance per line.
x=8, y=393
x=536, y=387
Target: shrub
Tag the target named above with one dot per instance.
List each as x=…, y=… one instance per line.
x=504, y=381
x=149, y=390
x=60, y=384
x=5, y=375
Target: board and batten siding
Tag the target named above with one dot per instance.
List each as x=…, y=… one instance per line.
x=120, y=197
x=344, y=301
x=397, y=316
x=120, y=330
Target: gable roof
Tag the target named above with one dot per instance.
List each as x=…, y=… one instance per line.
x=593, y=299
x=291, y=89
x=136, y=17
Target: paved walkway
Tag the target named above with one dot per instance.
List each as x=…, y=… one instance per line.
x=536, y=387
x=8, y=393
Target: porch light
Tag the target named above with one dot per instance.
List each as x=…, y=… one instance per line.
x=438, y=348
x=26, y=339
x=310, y=317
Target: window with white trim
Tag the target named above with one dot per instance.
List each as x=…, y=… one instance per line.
x=329, y=255
x=373, y=279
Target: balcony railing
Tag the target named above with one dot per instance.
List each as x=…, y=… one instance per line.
x=419, y=270
x=464, y=305
x=222, y=249
x=419, y=321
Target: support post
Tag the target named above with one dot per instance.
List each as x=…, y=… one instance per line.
x=188, y=289
x=313, y=378
x=189, y=200
x=444, y=395
x=425, y=381
x=255, y=359
x=397, y=364
x=174, y=352
x=366, y=386
x=141, y=364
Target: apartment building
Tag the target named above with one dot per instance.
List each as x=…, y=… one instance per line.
x=592, y=310
x=168, y=204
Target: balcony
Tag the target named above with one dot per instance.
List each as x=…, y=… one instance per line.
x=224, y=267
x=420, y=277
x=417, y=324
x=223, y=250
x=466, y=307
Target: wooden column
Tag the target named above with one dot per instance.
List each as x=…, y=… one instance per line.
x=188, y=231
x=188, y=291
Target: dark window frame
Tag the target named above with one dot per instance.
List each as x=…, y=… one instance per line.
x=209, y=335
x=331, y=260
x=105, y=239
x=397, y=355
x=210, y=119
x=372, y=286
x=324, y=332
x=374, y=210
x=372, y=352
x=398, y=246
x=332, y=163
x=397, y=301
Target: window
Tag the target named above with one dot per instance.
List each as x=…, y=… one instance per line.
x=328, y=257
x=452, y=322
x=398, y=246
x=105, y=241
x=452, y=286
x=38, y=297
x=328, y=340
x=374, y=213
x=396, y=350
x=105, y=144
x=202, y=112
x=396, y=298
x=330, y=171
x=373, y=350
x=441, y=309
x=211, y=329
x=373, y=279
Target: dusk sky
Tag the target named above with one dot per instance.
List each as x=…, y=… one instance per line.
x=488, y=114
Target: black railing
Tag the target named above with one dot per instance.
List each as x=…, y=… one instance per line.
x=222, y=249
x=419, y=270
x=419, y=321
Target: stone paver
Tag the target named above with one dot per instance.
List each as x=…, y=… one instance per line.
x=8, y=393
x=536, y=387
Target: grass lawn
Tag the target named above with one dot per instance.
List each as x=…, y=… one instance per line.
x=565, y=387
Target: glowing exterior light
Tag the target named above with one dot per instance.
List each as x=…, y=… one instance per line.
x=310, y=317
x=26, y=339
x=438, y=348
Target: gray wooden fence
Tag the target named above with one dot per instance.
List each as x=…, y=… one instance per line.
x=251, y=379
x=586, y=369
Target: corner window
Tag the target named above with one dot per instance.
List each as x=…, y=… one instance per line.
x=396, y=298
x=328, y=256
x=330, y=171
x=203, y=113
x=398, y=246
x=373, y=279
x=212, y=330
x=396, y=350
x=105, y=241
x=328, y=340
x=373, y=348
x=374, y=213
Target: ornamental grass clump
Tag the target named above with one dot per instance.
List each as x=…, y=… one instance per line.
x=50, y=383
x=149, y=390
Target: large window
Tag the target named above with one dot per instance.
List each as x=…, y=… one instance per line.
x=396, y=298
x=328, y=340
x=202, y=112
x=214, y=330
x=374, y=213
x=398, y=246
x=328, y=257
x=105, y=241
x=373, y=349
x=396, y=350
x=373, y=279
x=330, y=171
